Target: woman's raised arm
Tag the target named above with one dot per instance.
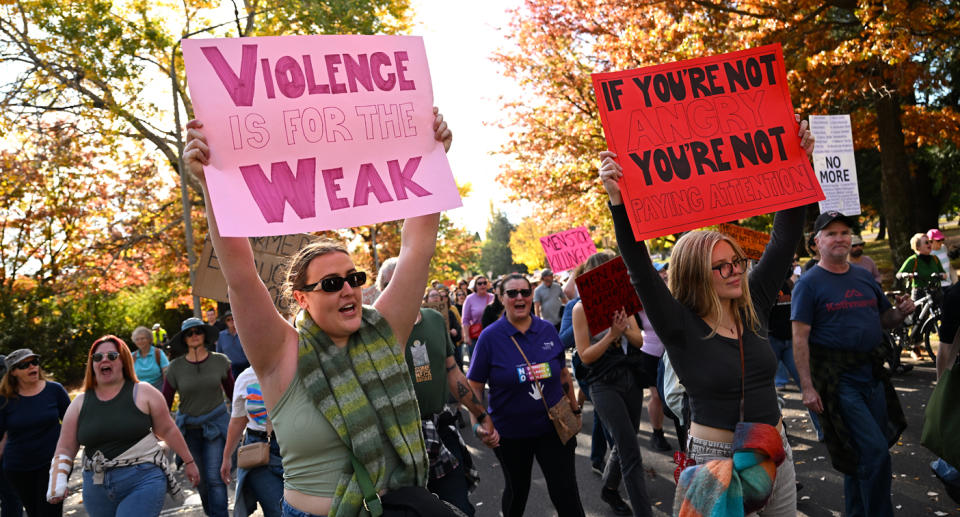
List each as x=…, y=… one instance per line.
x=400, y=301
x=260, y=326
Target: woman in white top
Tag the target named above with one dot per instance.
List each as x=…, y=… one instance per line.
x=248, y=420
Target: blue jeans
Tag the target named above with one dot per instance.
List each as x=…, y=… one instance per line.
x=289, y=511
x=266, y=482
x=783, y=350
x=134, y=491
x=600, y=439
x=209, y=455
x=864, y=410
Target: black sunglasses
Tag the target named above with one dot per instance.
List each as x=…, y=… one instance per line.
x=726, y=269
x=97, y=357
x=195, y=331
x=512, y=293
x=23, y=365
x=333, y=284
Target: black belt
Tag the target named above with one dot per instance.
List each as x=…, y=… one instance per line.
x=258, y=434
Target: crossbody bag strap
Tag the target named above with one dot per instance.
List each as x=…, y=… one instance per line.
x=743, y=371
x=530, y=367
x=371, y=499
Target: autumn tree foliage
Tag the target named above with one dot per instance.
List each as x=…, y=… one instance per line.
x=892, y=65
x=80, y=220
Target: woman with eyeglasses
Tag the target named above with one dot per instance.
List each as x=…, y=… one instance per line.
x=374, y=417
x=714, y=309
x=117, y=419
x=440, y=295
x=921, y=269
x=202, y=378
x=31, y=408
x=520, y=357
x=472, y=313
x=617, y=395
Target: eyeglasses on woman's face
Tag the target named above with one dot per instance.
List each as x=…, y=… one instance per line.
x=195, y=331
x=23, y=365
x=726, y=269
x=112, y=356
x=513, y=293
x=333, y=284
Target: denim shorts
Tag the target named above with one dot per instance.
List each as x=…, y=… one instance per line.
x=133, y=491
x=289, y=511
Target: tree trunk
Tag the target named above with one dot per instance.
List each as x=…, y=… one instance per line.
x=882, y=231
x=928, y=207
x=895, y=185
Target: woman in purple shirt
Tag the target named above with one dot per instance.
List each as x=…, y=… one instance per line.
x=520, y=383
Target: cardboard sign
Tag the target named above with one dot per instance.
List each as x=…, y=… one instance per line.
x=310, y=133
x=566, y=250
x=270, y=256
x=835, y=164
x=705, y=140
x=604, y=290
x=751, y=241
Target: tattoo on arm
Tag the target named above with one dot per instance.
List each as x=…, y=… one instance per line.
x=462, y=391
x=450, y=368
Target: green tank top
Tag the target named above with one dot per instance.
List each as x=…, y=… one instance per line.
x=313, y=454
x=111, y=426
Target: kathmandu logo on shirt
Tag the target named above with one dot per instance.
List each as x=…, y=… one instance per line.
x=851, y=304
x=548, y=345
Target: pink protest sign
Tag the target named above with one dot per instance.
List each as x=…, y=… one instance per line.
x=565, y=250
x=312, y=133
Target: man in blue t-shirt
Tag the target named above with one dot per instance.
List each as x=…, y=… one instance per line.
x=838, y=314
x=229, y=344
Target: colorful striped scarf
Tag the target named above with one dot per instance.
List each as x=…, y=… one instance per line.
x=358, y=391
x=733, y=486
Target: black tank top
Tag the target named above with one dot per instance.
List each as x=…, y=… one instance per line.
x=111, y=426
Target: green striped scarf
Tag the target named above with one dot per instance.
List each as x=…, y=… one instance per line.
x=357, y=391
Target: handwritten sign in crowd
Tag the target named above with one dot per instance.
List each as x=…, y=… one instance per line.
x=834, y=162
x=751, y=242
x=271, y=256
x=566, y=250
x=310, y=133
x=604, y=290
x=706, y=140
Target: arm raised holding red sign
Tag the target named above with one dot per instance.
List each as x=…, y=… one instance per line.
x=712, y=319
x=326, y=286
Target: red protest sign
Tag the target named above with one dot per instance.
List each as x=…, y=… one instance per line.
x=705, y=140
x=566, y=250
x=751, y=241
x=604, y=290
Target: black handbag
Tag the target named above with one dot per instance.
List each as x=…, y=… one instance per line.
x=407, y=501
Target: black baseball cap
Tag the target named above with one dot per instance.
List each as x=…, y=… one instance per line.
x=824, y=220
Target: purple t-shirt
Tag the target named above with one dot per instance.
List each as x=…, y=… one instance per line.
x=515, y=404
x=473, y=309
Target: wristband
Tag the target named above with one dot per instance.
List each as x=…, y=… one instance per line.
x=188, y=462
x=475, y=427
x=481, y=417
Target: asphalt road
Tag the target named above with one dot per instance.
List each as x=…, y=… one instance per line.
x=915, y=489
